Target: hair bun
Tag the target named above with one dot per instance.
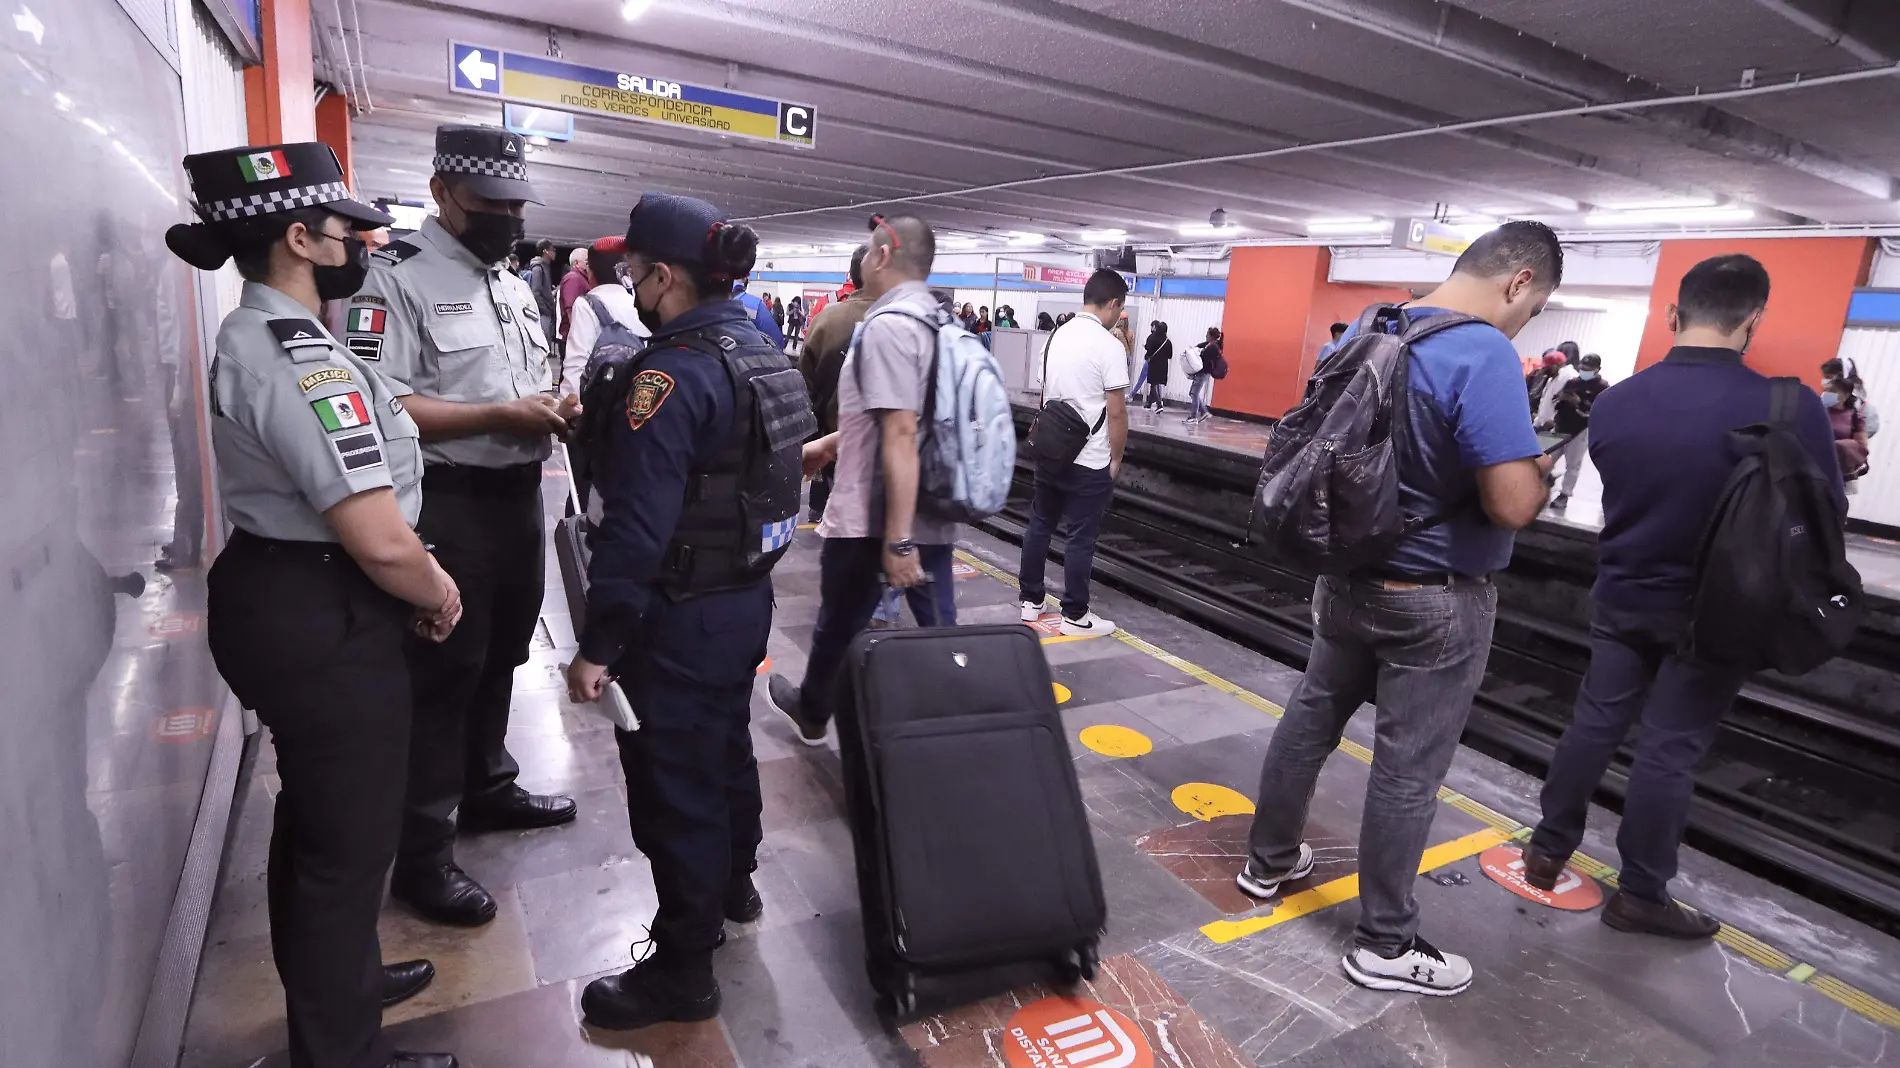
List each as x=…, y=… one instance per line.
x=198, y=244
x=732, y=250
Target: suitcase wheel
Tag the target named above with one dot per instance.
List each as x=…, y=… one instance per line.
x=1081, y=964
x=900, y=997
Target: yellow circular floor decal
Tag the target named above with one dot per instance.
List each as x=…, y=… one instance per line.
x=1206, y=801
x=1063, y=693
x=1112, y=741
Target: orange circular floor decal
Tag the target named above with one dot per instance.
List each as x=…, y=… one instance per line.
x=1074, y=1033
x=1575, y=892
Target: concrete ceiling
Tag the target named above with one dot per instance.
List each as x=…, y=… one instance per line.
x=939, y=100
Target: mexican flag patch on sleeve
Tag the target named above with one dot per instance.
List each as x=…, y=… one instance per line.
x=341, y=412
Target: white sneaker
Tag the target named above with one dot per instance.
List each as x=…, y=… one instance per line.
x=1088, y=626
x=1421, y=969
x=1032, y=610
x=1254, y=884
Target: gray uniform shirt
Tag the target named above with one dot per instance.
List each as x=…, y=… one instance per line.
x=441, y=323
x=301, y=423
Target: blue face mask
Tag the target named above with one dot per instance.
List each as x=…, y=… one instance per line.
x=1830, y=399
x=1586, y=375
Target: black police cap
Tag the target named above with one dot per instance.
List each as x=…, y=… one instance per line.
x=244, y=183
x=666, y=227
x=492, y=163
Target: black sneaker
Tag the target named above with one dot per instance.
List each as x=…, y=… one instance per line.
x=649, y=993
x=743, y=903
x=1560, y=502
x=785, y=698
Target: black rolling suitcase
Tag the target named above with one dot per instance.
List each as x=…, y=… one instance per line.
x=973, y=848
x=570, y=549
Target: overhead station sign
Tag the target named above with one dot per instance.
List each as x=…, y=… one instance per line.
x=637, y=97
x=1054, y=276
x=1424, y=235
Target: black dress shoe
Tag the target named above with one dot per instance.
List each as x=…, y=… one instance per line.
x=1627, y=912
x=1542, y=871
x=651, y=993
x=422, y=1060
x=405, y=980
x=514, y=809
x=444, y=894
x=743, y=903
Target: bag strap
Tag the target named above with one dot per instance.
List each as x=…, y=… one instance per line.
x=601, y=315
x=1784, y=400
x=1417, y=330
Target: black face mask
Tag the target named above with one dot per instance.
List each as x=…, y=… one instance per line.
x=490, y=234
x=649, y=317
x=343, y=280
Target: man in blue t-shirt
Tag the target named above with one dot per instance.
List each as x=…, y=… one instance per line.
x=1412, y=633
x=761, y=311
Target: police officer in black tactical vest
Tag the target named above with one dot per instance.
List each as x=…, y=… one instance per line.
x=694, y=446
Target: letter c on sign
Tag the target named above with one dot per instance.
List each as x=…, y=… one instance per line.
x=1418, y=230
x=797, y=121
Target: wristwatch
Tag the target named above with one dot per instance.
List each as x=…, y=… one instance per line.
x=900, y=547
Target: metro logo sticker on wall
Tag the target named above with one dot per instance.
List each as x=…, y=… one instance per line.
x=264, y=166
x=365, y=321
x=341, y=412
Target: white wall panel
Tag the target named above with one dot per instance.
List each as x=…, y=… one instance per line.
x=1613, y=334
x=214, y=119
x=1877, y=354
x=1886, y=269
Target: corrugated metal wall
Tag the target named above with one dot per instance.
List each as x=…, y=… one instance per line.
x=1877, y=354
x=1613, y=335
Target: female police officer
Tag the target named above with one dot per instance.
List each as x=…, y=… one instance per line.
x=320, y=469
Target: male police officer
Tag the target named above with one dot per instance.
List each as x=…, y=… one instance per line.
x=696, y=466
x=463, y=340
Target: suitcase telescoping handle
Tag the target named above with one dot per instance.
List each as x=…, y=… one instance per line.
x=573, y=487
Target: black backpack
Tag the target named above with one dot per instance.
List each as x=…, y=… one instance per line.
x=1773, y=585
x=1328, y=494
x=1215, y=358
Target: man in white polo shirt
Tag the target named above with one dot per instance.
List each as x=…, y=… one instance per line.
x=1087, y=366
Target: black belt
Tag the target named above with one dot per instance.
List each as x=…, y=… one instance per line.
x=1399, y=579
x=327, y=552
x=464, y=478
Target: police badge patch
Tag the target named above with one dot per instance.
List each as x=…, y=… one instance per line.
x=648, y=391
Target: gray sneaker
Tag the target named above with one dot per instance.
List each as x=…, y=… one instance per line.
x=1420, y=969
x=1255, y=883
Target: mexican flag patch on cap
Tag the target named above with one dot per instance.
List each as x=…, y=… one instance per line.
x=341, y=412
x=264, y=166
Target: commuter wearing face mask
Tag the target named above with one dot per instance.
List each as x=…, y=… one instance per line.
x=1571, y=415
x=463, y=341
x=319, y=470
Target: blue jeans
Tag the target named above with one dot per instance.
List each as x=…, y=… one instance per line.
x=1420, y=654
x=1200, y=394
x=850, y=585
x=1634, y=673
x=1076, y=498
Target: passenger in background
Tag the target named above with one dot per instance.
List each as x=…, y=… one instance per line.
x=540, y=280
x=761, y=311
x=1412, y=633
x=778, y=313
x=983, y=324
x=795, y=322
x=607, y=303
x=1087, y=367
x=1201, y=382
x=873, y=533
x=1006, y=318
x=318, y=468
x=1541, y=385
x=574, y=285
x=967, y=316
x=1558, y=375
x=823, y=356
x=1571, y=415
x=1338, y=330
x=1845, y=398
x=1158, y=352
x=1044, y=321
x=1660, y=441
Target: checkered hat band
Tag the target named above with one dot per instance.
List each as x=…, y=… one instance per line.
x=302, y=196
x=498, y=168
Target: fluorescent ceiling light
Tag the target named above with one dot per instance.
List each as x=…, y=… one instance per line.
x=1656, y=203
x=1340, y=220
x=30, y=25
x=62, y=101
x=846, y=247
x=1025, y=240
x=1204, y=230
x=1667, y=216
x=1107, y=234
x=958, y=242
x=633, y=9
x=1582, y=303
x=92, y=124
x=1367, y=226
x=408, y=216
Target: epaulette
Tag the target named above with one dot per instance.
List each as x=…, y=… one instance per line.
x=303, y=339
x=396, y=251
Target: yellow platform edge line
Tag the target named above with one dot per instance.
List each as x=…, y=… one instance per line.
x=1326, y=895
x=1502, y=826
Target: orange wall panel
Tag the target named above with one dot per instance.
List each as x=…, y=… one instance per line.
x=279, y=95
x=333, y=129
x=1812, y=278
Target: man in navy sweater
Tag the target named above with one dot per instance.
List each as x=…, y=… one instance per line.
x=1660, y=440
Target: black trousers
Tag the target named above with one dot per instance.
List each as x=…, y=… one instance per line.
x=486, y=526
x=693, y=797
x=308, y=642
x=1635, y=674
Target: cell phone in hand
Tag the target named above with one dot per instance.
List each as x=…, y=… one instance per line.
x=1552, y=441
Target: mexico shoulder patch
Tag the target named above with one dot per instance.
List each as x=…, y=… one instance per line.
x=318, y=378
x=645, y=394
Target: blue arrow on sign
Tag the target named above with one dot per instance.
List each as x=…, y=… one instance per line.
x=475, y=68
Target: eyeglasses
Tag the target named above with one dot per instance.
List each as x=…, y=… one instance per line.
x=877, y=222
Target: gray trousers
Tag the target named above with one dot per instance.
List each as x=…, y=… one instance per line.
x=1420, y=654
x=1574, y=454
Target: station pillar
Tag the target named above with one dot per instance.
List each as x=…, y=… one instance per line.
x=280, y=93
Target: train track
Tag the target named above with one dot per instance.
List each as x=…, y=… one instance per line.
x=1798, y=792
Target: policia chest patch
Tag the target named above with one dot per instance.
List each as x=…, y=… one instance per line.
x=645, y=394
